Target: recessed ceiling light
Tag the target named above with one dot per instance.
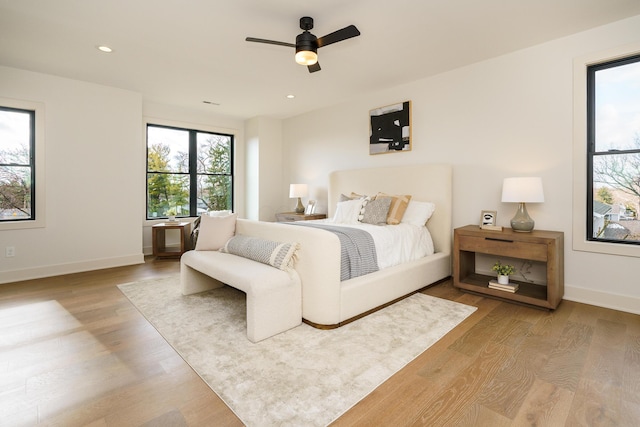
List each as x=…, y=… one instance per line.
x=290, y=96
x=105, y=49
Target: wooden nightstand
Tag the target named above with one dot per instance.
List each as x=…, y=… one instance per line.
x=158, y=239
x=292, y=216
x=542, y=246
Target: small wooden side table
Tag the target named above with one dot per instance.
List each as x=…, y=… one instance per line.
x=158, y=239
x=292, y=216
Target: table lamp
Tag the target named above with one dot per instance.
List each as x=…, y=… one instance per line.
x=522, y=190
x=298, y=190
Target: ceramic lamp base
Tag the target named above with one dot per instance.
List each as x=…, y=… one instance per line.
x=522, y=222
x=299, y=206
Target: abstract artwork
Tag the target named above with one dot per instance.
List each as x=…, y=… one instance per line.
x=390, y=128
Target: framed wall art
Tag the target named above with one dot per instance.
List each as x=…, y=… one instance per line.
x=390, y=128
x=488, y=218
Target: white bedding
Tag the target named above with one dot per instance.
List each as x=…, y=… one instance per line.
x=395, y=244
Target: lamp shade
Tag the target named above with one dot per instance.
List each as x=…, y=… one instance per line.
x=298, y=190
x=522, y=190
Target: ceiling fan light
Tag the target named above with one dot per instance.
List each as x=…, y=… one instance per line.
x=306, y=57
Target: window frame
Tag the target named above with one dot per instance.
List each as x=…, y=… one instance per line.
x=582, y=166
x=592, y=152
x=37, y=164
x=193, y=131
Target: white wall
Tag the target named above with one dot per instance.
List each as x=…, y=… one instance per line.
x=263, y=168
x=95, y=175
x=94, y=192
x=509, y=116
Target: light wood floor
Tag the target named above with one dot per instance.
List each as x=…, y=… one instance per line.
x=75, y=352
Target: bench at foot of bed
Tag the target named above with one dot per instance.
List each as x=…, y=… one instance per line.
x=274, y=297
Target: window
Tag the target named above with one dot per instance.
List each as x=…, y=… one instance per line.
x=17, y=165
x=613, y=151
x=189, y=171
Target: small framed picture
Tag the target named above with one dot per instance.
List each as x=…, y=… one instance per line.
x=311, y=207
x=488, y=218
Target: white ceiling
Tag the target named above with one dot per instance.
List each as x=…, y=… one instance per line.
x=184, y=52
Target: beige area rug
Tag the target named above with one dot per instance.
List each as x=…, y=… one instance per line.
x=302, y=377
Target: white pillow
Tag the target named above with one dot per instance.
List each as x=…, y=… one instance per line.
x=418, y=213
x=215, y=231
x=219, y=213
x=347, y=212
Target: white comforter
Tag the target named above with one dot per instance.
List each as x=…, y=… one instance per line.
x=395, y=244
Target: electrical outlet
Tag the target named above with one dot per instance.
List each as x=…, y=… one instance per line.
x=10, y=251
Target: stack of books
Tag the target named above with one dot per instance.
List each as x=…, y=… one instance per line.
x=510, y=287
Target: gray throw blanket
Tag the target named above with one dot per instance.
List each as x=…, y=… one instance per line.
x=358, y=252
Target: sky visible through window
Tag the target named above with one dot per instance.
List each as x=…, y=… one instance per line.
x=14, y=130
x=618, y=107
x=176, y=139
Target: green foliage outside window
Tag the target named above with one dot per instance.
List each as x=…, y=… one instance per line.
x=176, y=188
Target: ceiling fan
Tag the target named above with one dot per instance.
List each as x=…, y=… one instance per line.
x=307, y=44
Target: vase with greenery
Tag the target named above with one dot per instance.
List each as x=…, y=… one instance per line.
x=504, y=271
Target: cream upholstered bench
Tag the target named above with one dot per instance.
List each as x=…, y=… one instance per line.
x=274, y=296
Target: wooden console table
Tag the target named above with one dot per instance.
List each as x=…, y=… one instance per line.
x=539, y=245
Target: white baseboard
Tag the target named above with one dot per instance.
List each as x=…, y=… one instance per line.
x=624, y=303
x=76, y=267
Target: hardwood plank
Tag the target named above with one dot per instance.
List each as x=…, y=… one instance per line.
x=631, y=370
x=75, y=352
x=508, y=389
x=443, y=406
x=478, y=415
x=630, y=413
x=605, y=358
x=567, y=358
x=473, y=341
x=545, y=405
x=596, y=404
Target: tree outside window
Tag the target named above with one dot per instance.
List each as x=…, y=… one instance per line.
x=188, y=172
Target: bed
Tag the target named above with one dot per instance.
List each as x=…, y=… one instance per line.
x=327, y=301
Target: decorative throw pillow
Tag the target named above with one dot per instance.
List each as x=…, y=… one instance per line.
x=215, y=231
x=365, y=200
x=399, y=205
x=376, y=211
x=347, y=212
x=275, y=254
x=418, y=213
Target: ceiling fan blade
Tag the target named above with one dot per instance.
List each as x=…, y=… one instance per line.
x=338, y=36
x=253, y=39
x=313, y=68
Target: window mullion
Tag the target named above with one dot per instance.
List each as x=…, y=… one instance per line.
x=193, y=173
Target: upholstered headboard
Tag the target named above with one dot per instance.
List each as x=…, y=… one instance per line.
x=425, y=183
